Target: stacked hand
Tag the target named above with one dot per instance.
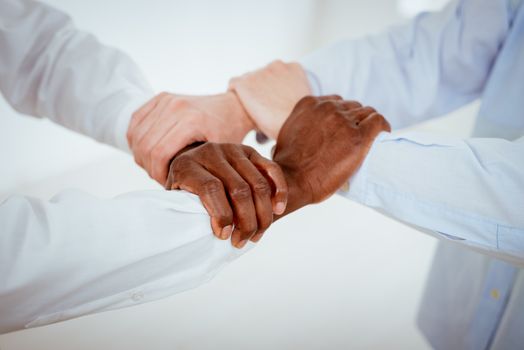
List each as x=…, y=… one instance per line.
x=168, y=123
x=321, y=144
x=239, y=188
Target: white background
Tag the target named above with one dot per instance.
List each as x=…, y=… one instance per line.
x=337, y=275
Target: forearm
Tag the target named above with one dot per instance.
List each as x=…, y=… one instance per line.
x=78, y=254
x=48, y=68
x=468, y=190
x=425, y=68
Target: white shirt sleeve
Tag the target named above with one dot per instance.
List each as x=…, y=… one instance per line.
x=50, y=69
x=77, y=254
x=469, y=191
x=434, y=64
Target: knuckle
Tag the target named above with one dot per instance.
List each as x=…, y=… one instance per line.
x=209, y=149
x=368, y=110
x=326, y=106
x=212, y=186
x=179, y=163
x=178, y=103
x=308, y=99
x=294, y=65
x=241, y=192
x=354, y=104
x=262, y=187
x=276, y=64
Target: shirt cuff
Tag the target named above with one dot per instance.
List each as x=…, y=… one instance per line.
x=358, y=183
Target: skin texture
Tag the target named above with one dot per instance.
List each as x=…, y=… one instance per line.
x=239, y=188
x=270, y=93
x=320, y=146
x=168, y=123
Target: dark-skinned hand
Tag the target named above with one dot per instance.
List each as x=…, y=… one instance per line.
x=322, y=143
x=239, y=188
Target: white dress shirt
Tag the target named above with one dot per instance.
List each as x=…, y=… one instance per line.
x=469, y=192
x=77, y=254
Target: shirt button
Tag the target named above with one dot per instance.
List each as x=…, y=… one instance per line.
x=495, y=294
x=137, y=296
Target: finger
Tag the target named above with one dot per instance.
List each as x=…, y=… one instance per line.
x=178, y=137
x=307, y=101
x=329, y=98
x=374, y=124
x=160, y=128
x=141, y=130
x=260, y=189
x=257, y=237
x=273, y=171
x=143, y=111
x=350, y=105
x=197, y=180
x=242, y=201
x=361, y=113
x=143, y=127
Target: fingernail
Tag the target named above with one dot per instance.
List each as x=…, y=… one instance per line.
x=226, y=232
x=280, y=207
x=241, y=244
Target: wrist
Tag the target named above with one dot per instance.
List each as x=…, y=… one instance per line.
x=244, y=124
x=299, y=194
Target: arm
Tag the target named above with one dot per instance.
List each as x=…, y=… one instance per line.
x=77, y=254
x=432, y=65
x=470, y=191
x=312, y=159
x=423, y=69
x=48, y=68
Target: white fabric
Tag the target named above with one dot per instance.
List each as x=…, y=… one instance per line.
x=76, y=254
x=50, y=69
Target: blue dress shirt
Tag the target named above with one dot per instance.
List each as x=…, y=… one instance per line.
x=468, y=192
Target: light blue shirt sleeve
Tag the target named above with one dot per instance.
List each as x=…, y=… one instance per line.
x=423, y=69
x=470, y=191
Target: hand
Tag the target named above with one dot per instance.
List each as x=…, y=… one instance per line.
x=323, y=142
x=238, y=187
x=269, y=94
x=168, y=123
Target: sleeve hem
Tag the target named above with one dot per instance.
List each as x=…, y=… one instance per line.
x=358, y=183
